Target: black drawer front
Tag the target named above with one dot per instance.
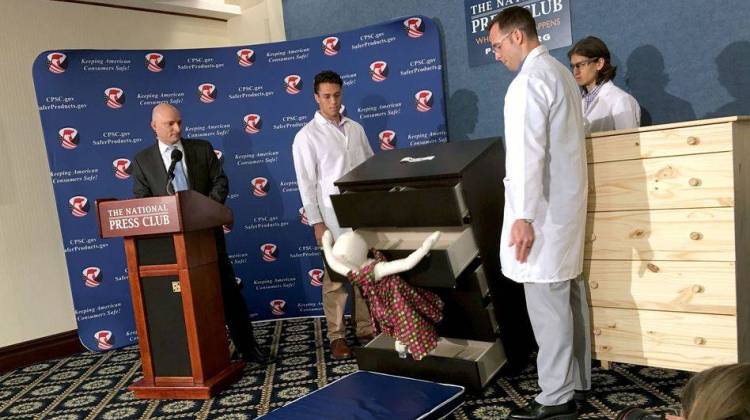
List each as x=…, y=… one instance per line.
x=468, y=311
x=434, y=270
x=411, y=208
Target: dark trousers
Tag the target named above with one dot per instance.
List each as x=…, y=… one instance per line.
x=236, y=314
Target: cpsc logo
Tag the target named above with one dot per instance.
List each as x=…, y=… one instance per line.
x=245, y=57
x=303, y=217
x=103, y=339
x=121, y=166
x=414, y=27
x=115, y=97
x=316, y=276
x=424, y=100
x=155, y=62
x=252, y=123
x=68, y=137
x=331, y=46
x=379, y=71
x=57, y=62
x=387, y=140
x=79, y=206
x=92, y=276
x=207, y=92
x=269, y=252
x=293, y=84
x=277, y=306
x=260, y=186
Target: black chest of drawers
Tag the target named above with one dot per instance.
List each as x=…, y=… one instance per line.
x=395, y=200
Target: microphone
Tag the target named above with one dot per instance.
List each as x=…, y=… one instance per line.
x=176, y=157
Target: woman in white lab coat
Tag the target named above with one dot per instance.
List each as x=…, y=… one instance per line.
x=605, y=106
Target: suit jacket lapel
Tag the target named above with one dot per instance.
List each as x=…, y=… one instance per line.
x=192, y=162
x=159, y=171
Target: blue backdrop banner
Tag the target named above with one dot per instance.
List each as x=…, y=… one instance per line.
x=249, y=102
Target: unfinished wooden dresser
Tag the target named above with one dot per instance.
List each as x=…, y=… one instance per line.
x=667, y=244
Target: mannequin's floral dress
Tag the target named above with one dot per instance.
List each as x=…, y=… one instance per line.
x=400, y=310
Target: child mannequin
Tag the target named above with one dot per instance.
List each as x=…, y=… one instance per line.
x=402, y=311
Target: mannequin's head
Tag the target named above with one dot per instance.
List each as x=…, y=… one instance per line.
x=351, y=248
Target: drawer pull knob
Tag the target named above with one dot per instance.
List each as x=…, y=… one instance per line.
x=694, y=182
x=606, y=348
x=699, y=341
x=698, y=288
x=593, y=237
x=594, y=284
x=693, y=140
x=696, y=236
x=612, y=325
x=597, y=331
x=652, y=267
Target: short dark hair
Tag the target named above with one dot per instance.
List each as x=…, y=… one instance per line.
x=593, y=47
x=515, y=17
x=327, y=76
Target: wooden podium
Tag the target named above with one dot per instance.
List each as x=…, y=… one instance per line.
x=176, y=291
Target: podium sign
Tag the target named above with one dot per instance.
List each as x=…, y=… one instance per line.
x=141, y=216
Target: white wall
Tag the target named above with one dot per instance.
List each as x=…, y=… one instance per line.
x=260, y=20
x=35, y=299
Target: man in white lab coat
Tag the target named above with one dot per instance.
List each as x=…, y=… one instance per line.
x=545, y=211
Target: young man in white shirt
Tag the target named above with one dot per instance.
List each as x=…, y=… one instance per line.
x=545, y=210
x=324, y=150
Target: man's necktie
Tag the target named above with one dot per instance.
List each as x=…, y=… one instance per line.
x=179, y=182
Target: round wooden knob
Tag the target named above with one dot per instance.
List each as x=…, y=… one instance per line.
x=699, y=341
x=592, y=238
x=652, y=267
x=606, y=348
x=693, y=140
x=694, y=182
x=696, y=236
x=597, y=331
x=594, y=284
x=697, y=288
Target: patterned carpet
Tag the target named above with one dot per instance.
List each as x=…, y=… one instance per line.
x=94, y=385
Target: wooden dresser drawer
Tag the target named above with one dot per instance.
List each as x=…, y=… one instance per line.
x=402, y=207
x=664, y=339
x=667, y=142
x=690, y=286
x=451, y=254
x=704, y=180
x=683, y=235
x=469, y=363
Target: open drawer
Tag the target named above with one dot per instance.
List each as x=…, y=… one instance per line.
x=455, y=361
x=451, y=254
x=468, y=311
x=402, y=206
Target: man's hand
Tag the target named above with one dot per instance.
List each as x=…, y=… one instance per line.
x=319, y=228
x=522, y=236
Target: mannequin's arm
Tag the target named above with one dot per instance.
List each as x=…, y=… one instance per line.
x=405, y=264
x=336, y=265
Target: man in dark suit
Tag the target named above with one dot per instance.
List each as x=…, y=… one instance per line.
x=201, y=171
